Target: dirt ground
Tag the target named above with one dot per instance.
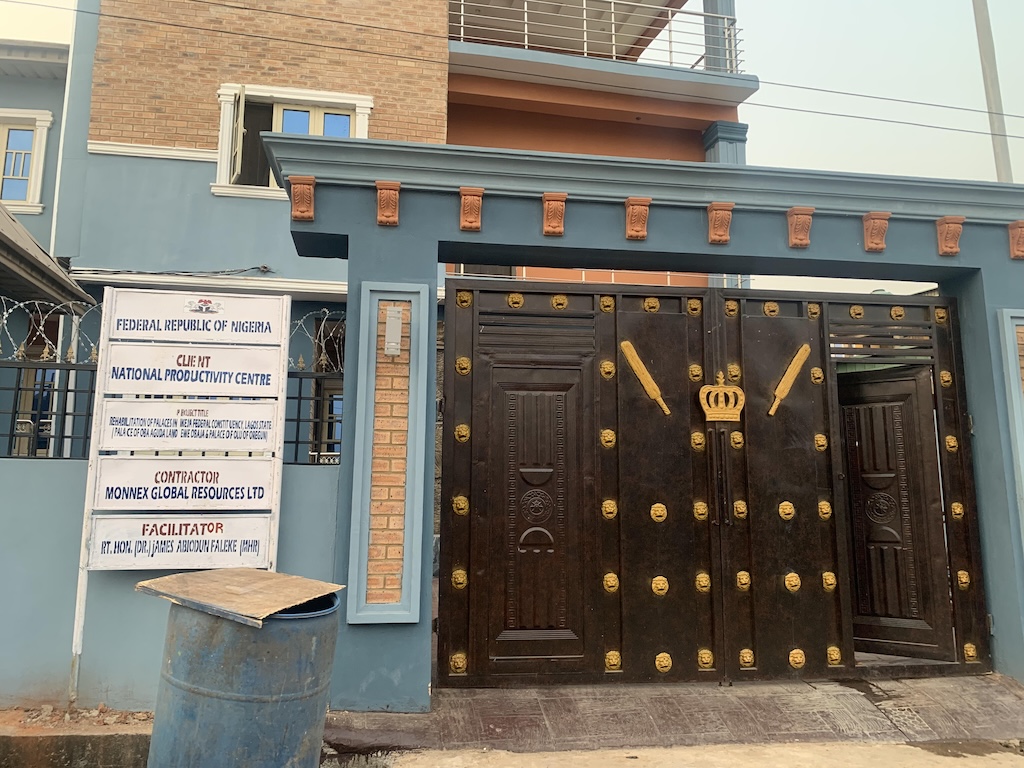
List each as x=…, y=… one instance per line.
x=51, y=720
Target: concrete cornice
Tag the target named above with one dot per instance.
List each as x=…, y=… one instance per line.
x=517, y=173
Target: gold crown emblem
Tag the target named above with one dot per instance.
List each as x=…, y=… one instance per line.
x=721, y=401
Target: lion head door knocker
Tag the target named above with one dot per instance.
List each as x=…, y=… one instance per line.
x=659, y=512
x=736, y=439
x=700, y=510
x=834, y=656
x=828, y=581
x=697, y=441
x=608, y=438
x=559, y=301
x=659, y=586
x=792, y=581
x=970, y=652
x=797, y=659
x=607, y=368
x=607, y=303
x=463, y=366
x=743, y=581
x=462, y=433
x=824, y=510
x=732, y=373
x=702, y=582
x=611, y=583
x=897, y=313
x=609, y=509
x=705, y=658
x=695, y=372
x=693, y=307
x=857, y=312
x=946, y=379
x=941, y=315
x=612, y=661
x=814, y=311
x=963, y=580
x=739, y=510
x=952, y=445
x=771, y=309
x=732, y=308
x=459, y=578
x=463, y=299
x=652, y=304
x=746, y=658
x=820, y=443
x=787, y=510
x=515, y=300
x=460, y=505
x=458, y=663
x=817, y=376
x=663, y=662
x=956, y=509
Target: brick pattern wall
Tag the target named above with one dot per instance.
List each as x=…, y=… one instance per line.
x=159, y=63
x=387, y=472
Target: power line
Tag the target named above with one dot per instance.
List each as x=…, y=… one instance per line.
x=420, y=59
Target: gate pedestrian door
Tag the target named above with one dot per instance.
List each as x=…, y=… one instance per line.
x=645, y=486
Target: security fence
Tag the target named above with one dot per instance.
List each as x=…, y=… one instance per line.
x=48, y=370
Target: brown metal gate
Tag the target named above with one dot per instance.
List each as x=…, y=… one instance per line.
x=657, y=484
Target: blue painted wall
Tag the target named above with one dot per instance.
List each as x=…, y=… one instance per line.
x=36, y=93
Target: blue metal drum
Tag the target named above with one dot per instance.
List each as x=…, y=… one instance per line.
x=235, y=695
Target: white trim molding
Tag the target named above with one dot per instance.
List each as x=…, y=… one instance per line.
x=312, y=290
x=16, y=206
x=150, y=150
x=360, y=106
x=240, y=190
x=40, y=120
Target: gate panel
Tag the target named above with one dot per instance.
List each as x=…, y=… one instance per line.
x=667, y=610
x=787, y=448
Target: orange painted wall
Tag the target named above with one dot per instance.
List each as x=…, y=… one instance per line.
x=482, y=126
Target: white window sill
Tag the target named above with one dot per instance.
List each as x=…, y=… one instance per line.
x=256, y=193
x=16, y=206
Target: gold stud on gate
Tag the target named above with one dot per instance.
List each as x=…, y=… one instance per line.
x=743, y=581
x=693, y=307
x=970, y=652
x=732, y=373
x=463, y=366
x=817, y=376
x=702, y=582
x=609, y=509
x=659, y=512
x=963, y=580
x=458, y=663
x=697, y=441
x=607, y=369
x=705, y=658
x=814, y=311
x=608, y=438
x=659, y=586
x=956, y=510
x=732, y=308
x=736, y=439
x=700, y=510
x=739, y=509
x=695, y=372
x=946, y=379
x=460, y=579
x=612, y=661
x=463, y=299
x=952, y=445
x=828, y=581
x=833, y=656
x=515, y=300
x=460, y=505
x=792, y=581
x=797, y=658
x=651, y=304
x=663, y=662
x=824, y=510
x=559, y=301
x=897, y=313
x=746, y=658
x=820, y=443
x=607, y=303
x=787, y=510
x=462, y=433
x=611, y=583
x=771, y=309
x=857, y=312
x=940, y=315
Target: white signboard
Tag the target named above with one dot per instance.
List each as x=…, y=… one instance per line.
x=211, y=318
x=134, y=368
x=165, y=483
x=137, y=542
x=128, y=424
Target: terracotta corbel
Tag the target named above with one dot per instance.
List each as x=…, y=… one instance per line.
x=554, y=213
x=470, y=208
x=719, y=221
x=876, y=224
x=799, y=220
x=1016, y=239
x=637, y=211
x=387, y=203
x=302, y=197
x=949, y=229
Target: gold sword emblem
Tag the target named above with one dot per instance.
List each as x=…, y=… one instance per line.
x=652, y=389
x=790, y=376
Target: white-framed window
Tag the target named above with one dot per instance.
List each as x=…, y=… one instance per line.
x=247, y=110
x=23, y=150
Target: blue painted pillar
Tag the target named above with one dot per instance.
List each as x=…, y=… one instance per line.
x=720, y=36
x=726, y=142
x=386, y=666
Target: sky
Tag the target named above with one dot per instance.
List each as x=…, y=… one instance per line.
x=915, y=50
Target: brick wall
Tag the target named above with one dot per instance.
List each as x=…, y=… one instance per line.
x=156, y=72
x=388, y=468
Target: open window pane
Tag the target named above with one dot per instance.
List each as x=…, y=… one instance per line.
x=337, y=125
x=295, y=121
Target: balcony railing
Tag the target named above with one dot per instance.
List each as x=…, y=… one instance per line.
x=649, y=31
